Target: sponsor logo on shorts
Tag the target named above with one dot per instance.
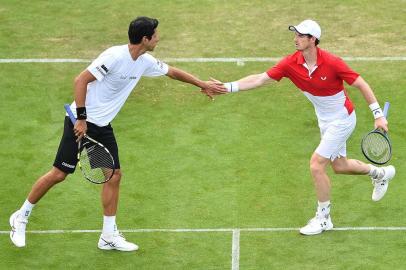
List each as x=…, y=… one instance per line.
x=68, y=165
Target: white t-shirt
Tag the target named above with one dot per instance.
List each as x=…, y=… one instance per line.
x=117, y=74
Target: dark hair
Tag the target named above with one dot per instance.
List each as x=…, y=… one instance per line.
x=141, y=27
x=317, y=40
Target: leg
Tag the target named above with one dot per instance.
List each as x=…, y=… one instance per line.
x=19, y=219
x=380, y=176
x=321, y=180
x=343, y=165
x=110, y=194
x=44, y=183
x=322, y=221
x=110, y=237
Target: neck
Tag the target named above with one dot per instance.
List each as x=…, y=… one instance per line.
x=310, y=55
x=136, y=50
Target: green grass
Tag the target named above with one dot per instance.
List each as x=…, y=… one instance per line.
x=240, y=161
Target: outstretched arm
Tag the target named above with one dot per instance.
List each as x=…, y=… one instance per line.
x=247, y=83
x=254, y=81
x=363, y=86
x=180, y=75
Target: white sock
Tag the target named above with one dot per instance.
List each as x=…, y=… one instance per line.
x=375, y=172
x=109, y=224
x=323, y=209
x=26, y=209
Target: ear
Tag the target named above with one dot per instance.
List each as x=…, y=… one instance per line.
x=145, y=39
x=313, y=39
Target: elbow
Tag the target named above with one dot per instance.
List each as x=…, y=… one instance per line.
x=77, y=81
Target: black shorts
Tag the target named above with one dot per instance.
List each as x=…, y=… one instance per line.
x=66, y=157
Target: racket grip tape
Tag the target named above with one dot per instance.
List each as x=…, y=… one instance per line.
x=70, y=114
x=386, y=109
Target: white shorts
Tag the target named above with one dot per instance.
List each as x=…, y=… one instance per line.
x=334, y=136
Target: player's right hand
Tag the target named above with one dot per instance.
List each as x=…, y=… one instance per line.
x=80, y=129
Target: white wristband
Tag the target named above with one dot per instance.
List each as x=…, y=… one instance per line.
x=232, y=87
x=376, y=110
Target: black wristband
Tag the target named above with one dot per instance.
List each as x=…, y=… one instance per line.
x=81, y=113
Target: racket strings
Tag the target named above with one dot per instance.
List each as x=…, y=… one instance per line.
x=96, y=163
x=377, y=147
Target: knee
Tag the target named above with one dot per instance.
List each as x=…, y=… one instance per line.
x=57, y=175
x=316, y=165
x=116, y=178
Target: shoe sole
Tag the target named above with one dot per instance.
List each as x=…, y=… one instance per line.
x=309, y=234
x=119, y=249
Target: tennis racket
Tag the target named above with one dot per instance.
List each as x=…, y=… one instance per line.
x=94, y=159
x=376, y=145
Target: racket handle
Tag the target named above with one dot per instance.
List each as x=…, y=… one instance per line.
x=386, y=109
x=69, y=111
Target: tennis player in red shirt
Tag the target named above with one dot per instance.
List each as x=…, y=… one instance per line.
x=320, y=76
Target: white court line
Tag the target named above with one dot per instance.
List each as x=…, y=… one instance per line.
x=235, y=255
x=238, y=60
x=212, y=230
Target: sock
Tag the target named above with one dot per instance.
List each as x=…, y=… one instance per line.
x=26, y=209
x=375, y=172
x=109, y=224
x=323, y=209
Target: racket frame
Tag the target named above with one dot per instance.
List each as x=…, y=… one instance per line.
x=385, y=136
x=381, y=133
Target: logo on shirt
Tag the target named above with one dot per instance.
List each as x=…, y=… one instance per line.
x=323, y=78
x=102, y=69
x=160, y=64
x=123, y=77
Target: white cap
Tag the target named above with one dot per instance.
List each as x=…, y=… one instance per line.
x=309, y=27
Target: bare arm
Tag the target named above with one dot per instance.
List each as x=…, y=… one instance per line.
x=80, y=86
x=365, y=89
x=183, y=76
x=370, y=98
x=254, y=81
x=80, y=89
x=250, y=82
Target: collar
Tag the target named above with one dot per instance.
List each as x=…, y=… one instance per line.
x=300, y=58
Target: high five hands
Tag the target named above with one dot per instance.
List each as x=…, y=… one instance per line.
x=213, y=87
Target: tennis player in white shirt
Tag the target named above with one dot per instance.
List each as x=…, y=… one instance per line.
x=100, y=92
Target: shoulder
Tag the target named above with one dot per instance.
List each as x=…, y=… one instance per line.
x=290, y=59
x=117, y=52
x=148, y=58
x=330, y=57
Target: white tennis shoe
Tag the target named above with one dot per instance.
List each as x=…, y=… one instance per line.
x=115, y=241
x=317, y=225
x=381, y=182
x=17, y=233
